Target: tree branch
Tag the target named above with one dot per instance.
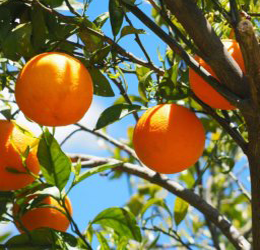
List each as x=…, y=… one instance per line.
x=111, y=140
x=237, y=137
x=232, y=73
x=200, y=30
x=105, y=38
x=251, y=53
x=175, y=188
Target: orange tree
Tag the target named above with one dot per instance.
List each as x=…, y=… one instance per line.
x=217, y=205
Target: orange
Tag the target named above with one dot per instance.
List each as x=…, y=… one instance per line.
x=169, y=138
x=39, y=217
x=54, y=89
x=13, y=143
x=207, y=93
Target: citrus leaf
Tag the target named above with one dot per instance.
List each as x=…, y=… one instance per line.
x=101, y=19
x=39, y=29
x=103, y=242
x=128, y=30
x=116, y=16
x=114, y=113
x=18, y=42
x=55, y=165
x=6, y=113
x=180, y=210
x=155, y=202
x=42, y=239
x=121, y=221
x=75, y=4
x=53, y=3
x=93, y=171
x=143, y=83
x=100, y=54
x=101, y=84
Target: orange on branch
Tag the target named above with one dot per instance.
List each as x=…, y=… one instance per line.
x=203, y=90
x=169, y=138
x=54, y=89
x=14, y=142
x=53, y=215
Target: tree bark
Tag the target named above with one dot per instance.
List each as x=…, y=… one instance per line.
x=254, y=164
x=175, y=188
x=204, y=37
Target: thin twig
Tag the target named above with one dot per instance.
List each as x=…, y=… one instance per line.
x=190, y=61
x=111, y=140
x=138, y=40
x=72, y=10
x=122, y=90
x=163, y=13
x=233, y=132
x=222, y=10
x=105, y=38
x=241, y=186
x=69, y=136
x=174, y=236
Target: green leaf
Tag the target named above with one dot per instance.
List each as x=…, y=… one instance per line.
x=55, y=165
x=170, y=87
x=133, y=98
x=143, y=84
x=4, y=236
x=42, y=239
x=122, y=244
x=114, y=113
x=39, y=29
x=116, y=16
x=142, y=71
x=101, y=84
x=152, y=245
x=180, y=210
x=127, y=30
x=155, y=202
x=5, y=198
x=7, y=113
x=103, y=242
x=94, y=170
x=18, y=42
x=53, y=3
x=92, y=42
x=75, y=4
x=101, y=19
x=121, y=221
x=135, y=204
x=77, y=168
x=100, y=54
x=5, y=23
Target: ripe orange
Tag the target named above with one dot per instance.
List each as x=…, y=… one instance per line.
x=39, y=217
x=54, y=89
x=13, y=143
x=203, y=90
x=169, y=138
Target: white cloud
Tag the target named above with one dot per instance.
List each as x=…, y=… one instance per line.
x=81, y=142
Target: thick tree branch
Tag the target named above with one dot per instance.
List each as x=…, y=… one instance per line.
x=175, y=188
x=225, y=67
x=238, y=90
x=251, y=53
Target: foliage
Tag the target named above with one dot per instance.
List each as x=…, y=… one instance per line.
x=149, y=219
